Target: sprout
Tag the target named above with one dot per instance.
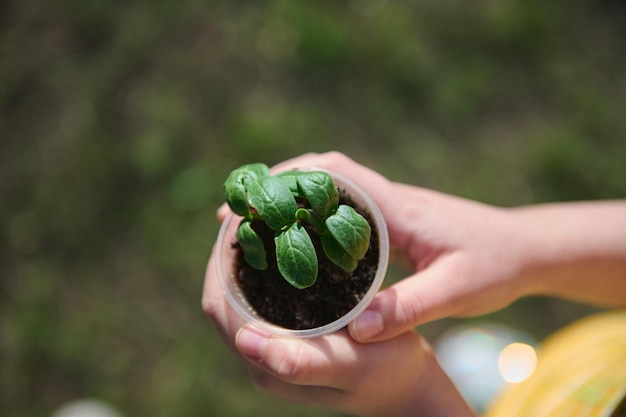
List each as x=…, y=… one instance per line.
x=255, y=194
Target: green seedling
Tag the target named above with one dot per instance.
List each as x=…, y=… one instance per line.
x=292, y=204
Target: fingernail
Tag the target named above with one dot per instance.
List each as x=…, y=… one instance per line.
x=251, y=342
x=368, y=324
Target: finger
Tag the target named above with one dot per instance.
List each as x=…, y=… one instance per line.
x=416, y=300
x=310, y=362
x=380, y=189
x=222, y=212
x=215, y=305
x=210, y=304
x=302, y=161
x=340, y=163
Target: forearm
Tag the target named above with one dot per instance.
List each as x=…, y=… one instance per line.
x=574, y=250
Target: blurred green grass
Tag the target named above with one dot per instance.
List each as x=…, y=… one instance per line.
x=120, y=120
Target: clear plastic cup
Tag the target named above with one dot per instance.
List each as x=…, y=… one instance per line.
x=226, y=266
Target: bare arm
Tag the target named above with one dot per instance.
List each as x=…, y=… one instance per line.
x=469, y=258
x=574, y=250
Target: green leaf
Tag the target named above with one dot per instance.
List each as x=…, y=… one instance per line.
x=289, y=178
x=236, y=193
x=252, y=246
x=351, y=230
x=235, y=187
x=337, y=254
x=257, y=170
x=296, y=257
x=273, y=201
x=320, y=190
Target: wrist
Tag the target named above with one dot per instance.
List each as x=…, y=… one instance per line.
x=431, y=395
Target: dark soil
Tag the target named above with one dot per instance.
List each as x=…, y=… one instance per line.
x=333, y=295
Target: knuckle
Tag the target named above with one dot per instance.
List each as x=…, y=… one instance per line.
x=410, y=314
x=295, y=365
x=209, y=307
x=336, y=157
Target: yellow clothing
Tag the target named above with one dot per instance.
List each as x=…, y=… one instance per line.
x=581, y=371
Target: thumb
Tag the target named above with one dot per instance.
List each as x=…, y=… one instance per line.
x=415, y=300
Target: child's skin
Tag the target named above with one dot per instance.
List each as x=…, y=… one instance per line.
x=468, y=259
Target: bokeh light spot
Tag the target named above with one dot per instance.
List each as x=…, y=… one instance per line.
x=517, y=362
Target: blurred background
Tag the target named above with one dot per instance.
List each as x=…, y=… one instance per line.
x=120, y=120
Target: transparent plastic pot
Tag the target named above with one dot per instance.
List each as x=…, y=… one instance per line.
x=227, y=269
